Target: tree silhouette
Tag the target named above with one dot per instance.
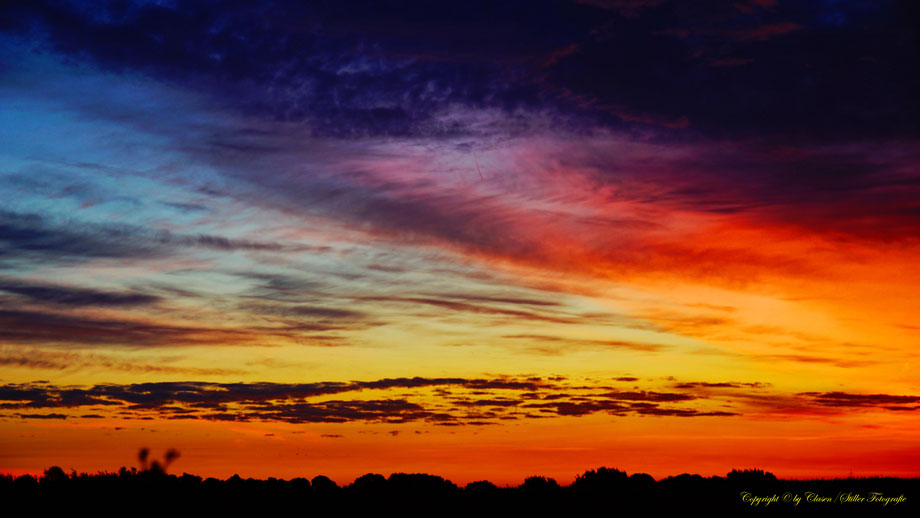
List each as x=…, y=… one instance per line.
x=537, y=483
x=602, y=478
x=369, y=483
x=750, y=476
x=429, y=495
x=54, y=475
x=323, y=484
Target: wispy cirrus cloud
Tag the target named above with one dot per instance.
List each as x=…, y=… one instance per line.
x=42, y=327
x=390, y=86
x=40, y=239
x=844, y=399
x=57, y=360
x=59, y=295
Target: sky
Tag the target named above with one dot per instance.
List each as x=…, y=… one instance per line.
x=483, y=240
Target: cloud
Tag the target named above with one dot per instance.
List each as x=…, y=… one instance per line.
x=46, y=328
x=483, y=309
x=672, y=412
x=648, y=396
x=629, y=8
x=303, y=310
x=472, y=401
x=844, y=399
x=837, y=362
x=33, y=358
x=555, y=344
x=369, y=72
x=492, y=402
x=752, y=177
x=318, y=75
x=735, y=190
x=525, y=148
x=579, y=408
x=513, y=301
x=764, y=32
x=386, y=410
x=34, y=238
x=506, y=398
x=721, y=384
x=42, y=293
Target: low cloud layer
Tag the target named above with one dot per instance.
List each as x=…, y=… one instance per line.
x=438, y=401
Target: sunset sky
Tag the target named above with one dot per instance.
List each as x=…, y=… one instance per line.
x=483, y=240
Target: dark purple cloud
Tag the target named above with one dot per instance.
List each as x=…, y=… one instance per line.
x=720, y=384
x=424, y=400
x=28, y=239
x=43, y=327
x=59, y=295
x=42, y=416
x=508, y=398
x=844, y=399
x=806, y=68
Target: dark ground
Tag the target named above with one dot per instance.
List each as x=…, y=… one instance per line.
x=601, y=492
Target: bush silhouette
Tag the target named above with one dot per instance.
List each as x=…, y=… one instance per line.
x=157, y=467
